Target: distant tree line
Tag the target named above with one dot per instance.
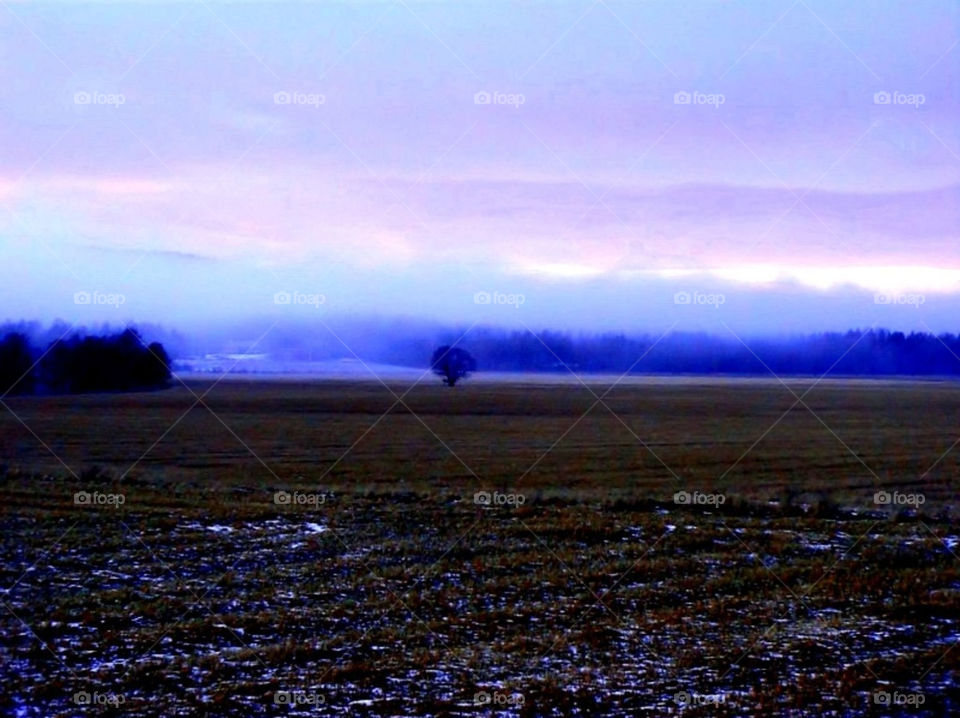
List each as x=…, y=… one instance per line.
x=860, y=353
x=82, y=363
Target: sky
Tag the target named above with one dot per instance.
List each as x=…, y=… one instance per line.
x=771, y=166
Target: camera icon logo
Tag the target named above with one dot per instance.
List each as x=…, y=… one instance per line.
x=281, y=98
x=282, y=498
x=881, y=498
x=482, y=498
x=681, y=497
x=81, y=98
x=82, y=498
x=481, y=699
x=282, y=298
x=682, y=298
x=482, y=298
x=881, y=98
x=482, y=98
x=81, y=698
x=82, y=298
x=681, y=98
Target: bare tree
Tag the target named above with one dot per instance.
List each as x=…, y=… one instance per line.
x=452, y=363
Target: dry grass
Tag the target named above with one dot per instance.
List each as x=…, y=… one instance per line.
x=599, y=595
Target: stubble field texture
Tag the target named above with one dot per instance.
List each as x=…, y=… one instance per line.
x=654, y=547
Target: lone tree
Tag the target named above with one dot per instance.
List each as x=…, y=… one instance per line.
x=452, y=364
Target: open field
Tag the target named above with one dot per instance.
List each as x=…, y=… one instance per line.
x=778, y=581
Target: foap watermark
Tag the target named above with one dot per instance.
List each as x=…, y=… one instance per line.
x=899, y=98
x=96, y=498
x=299, y=299
x=498, y=698
x=886, y=698
x=86, y=698
x=499, y=298
x=301, y=99
x=700, y=299
x=298, y=698
x=698, y=98
x=300, y=498
x=685, y=498
x=887, y=498
x=99, y=299
x=109, y=99
x=902, y=299
x=495, y=498
x=687, y=698
x=512, y=99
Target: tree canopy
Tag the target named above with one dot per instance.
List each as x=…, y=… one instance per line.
x=78, y=364
x=452, y=363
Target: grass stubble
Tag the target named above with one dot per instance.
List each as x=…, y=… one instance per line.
x=320, y=549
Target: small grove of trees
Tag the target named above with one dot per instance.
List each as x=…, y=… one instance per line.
x=16, y=365
x=453, y=364
x=117, y=362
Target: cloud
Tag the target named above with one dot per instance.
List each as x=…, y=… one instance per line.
x=289, y=216
x=599, y=179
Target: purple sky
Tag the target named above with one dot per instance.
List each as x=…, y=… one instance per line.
x=196, y=158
